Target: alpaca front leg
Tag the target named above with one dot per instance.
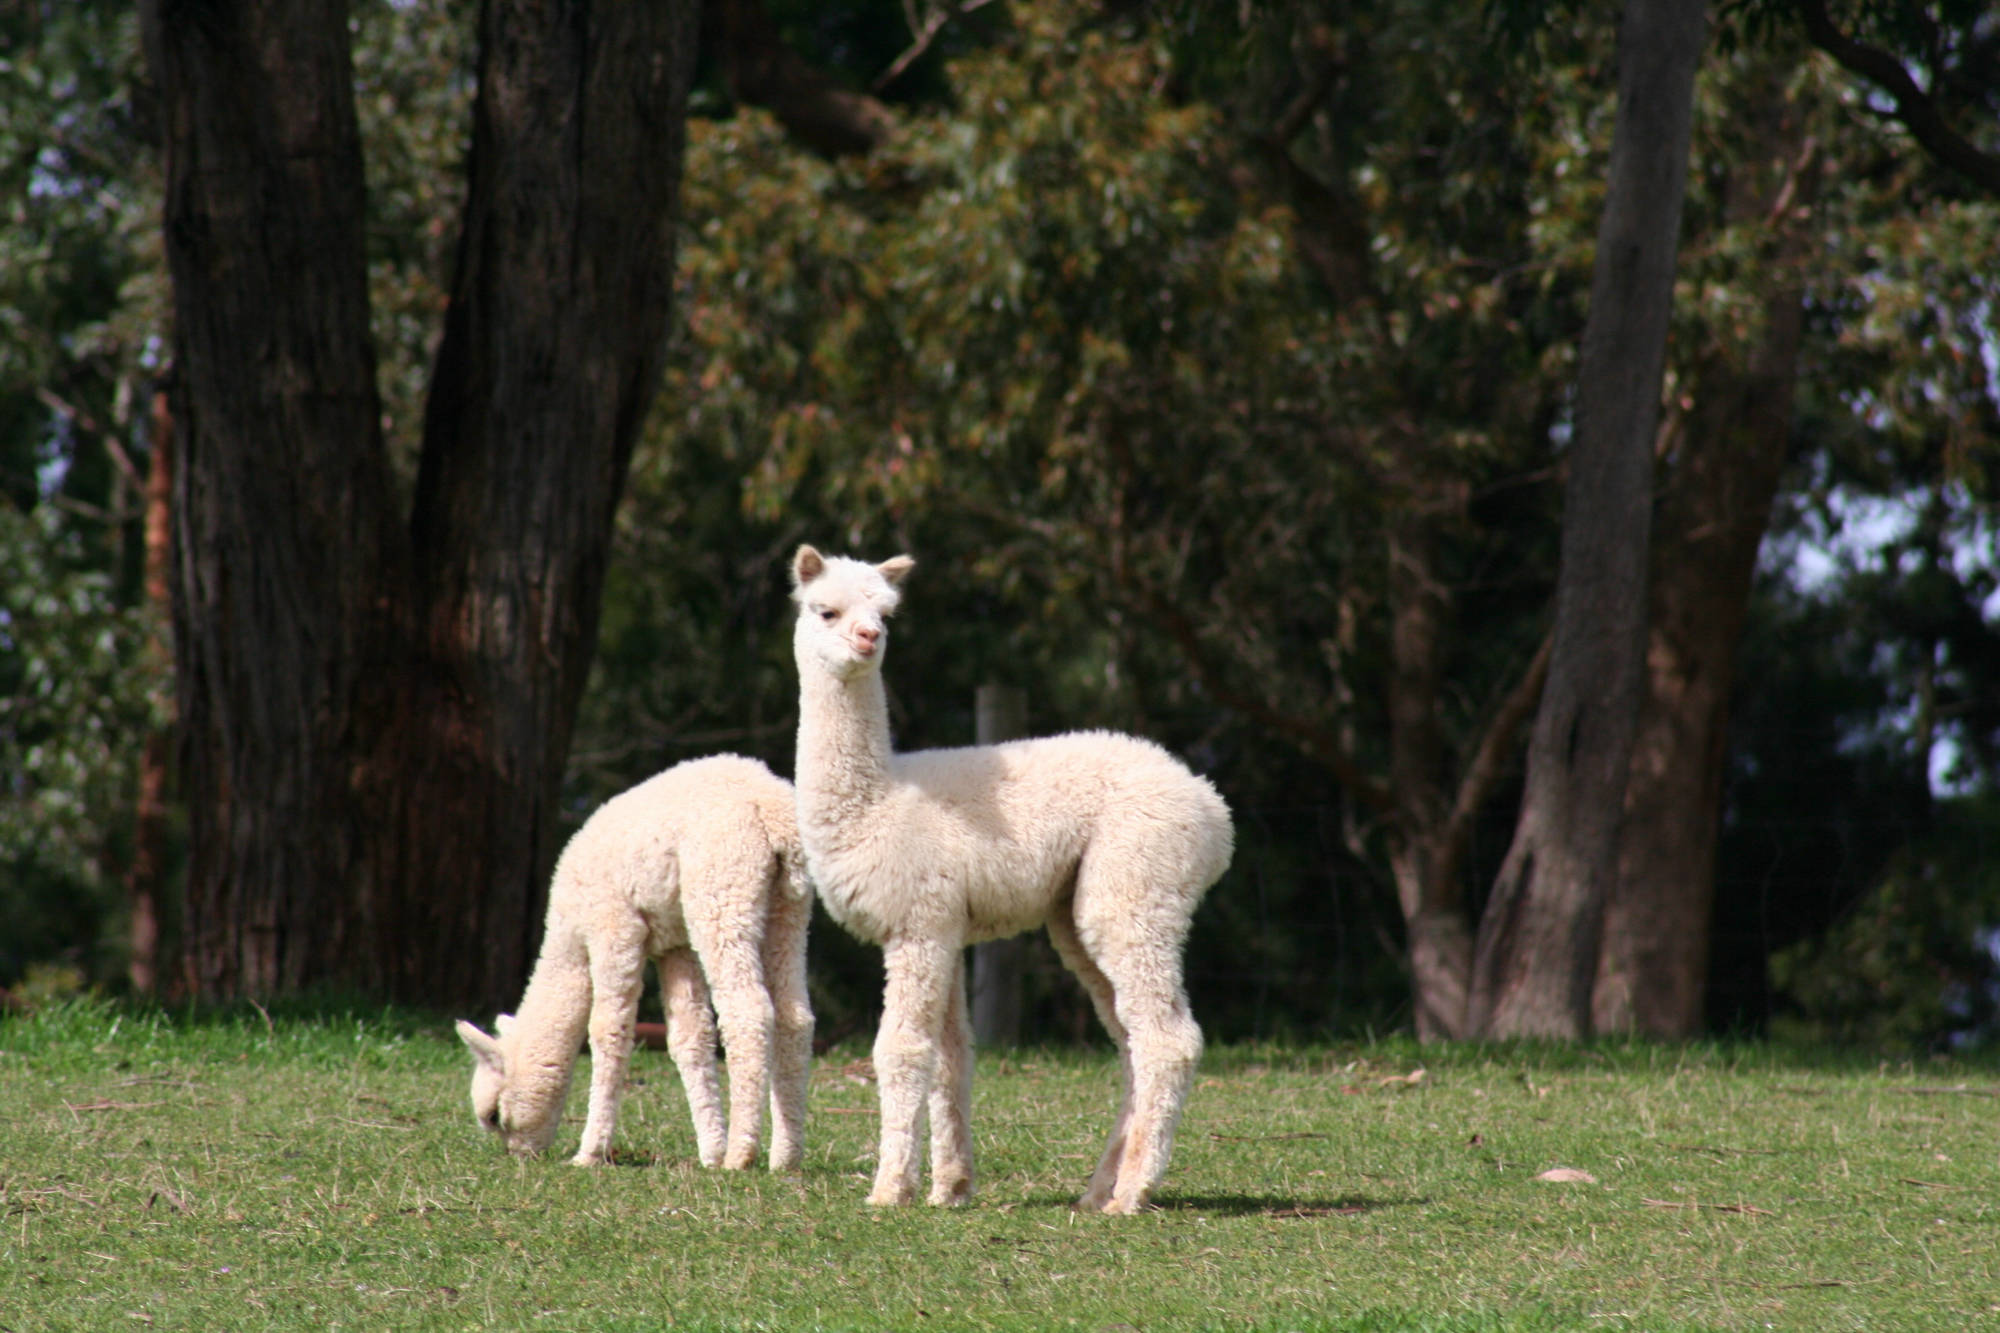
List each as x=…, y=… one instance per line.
x=914, y=1002
x=613, y=1008
x=691, y=1043
x=951, y=1099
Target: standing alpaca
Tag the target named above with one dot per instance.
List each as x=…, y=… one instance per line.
x=701, y=862
x=1106, y=839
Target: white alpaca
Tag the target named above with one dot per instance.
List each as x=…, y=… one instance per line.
x=1106, y=839
x=699, y=869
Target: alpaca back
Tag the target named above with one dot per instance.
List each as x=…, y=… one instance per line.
x=1009, y=826
x=727, y=816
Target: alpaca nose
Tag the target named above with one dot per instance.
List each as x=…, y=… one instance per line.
x=865, y=637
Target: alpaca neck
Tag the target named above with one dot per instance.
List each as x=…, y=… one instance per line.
x=843, y=759
x=554, y=1013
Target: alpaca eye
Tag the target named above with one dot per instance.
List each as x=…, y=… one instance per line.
x=829, y=615
x=491, y=1119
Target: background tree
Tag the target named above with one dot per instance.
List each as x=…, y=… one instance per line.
x=79, y=308
x=376, y=707
x=1219, y=361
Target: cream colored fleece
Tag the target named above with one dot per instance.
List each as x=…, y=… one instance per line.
x=1106, y=839
x=699, y=869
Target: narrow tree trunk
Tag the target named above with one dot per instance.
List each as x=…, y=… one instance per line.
x=1422, y=857
x=1714, y=509
x=1001, y=714
x=145, y=875
x=1536, y=957
x=376, y=714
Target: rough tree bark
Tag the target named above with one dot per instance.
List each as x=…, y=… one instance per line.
x=1725, y=460
x=1536, y=956
x=376, y=710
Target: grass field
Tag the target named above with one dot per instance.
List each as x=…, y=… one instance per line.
x=157, y=1173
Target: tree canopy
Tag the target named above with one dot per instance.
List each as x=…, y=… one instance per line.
x=1220, y=365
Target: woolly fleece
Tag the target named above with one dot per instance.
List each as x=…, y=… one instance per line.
x=699, y=869
x=1106, y=839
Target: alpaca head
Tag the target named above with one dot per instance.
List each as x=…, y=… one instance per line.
x=525, y=1118
x=844, y=610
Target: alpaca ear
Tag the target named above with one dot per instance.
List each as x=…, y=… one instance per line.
x=895, y=569
x=486, y=1048
x=503, y=1024
x=807, y=565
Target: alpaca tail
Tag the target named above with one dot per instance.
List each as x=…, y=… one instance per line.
x=781, y=827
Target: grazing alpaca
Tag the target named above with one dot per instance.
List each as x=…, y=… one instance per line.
x=699, y=869
x=1106, y=839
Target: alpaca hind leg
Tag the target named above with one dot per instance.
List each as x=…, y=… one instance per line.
x=1069, y=947
x=951, y=1098
x=915, y=999
x=617, y=974
x=691, y=1043
x=791, y=1053
x=1165, y=1050
x=730, y=952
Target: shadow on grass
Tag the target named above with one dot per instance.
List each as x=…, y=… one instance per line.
x=1274, y=1206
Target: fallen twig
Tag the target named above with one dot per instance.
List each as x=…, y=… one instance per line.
x=1745, y=1208
x=1260, y=1138
x=110, y=1106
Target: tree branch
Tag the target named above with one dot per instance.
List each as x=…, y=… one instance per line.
x=1914, y=107
x=926, y=33
x=807, y=101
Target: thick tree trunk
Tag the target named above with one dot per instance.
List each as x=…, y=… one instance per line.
x=552, y=349
x=376, y=714
x=281, y=502
x=1536, y=957
x=1715, y=506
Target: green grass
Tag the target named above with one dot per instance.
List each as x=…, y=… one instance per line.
x=322, y=1174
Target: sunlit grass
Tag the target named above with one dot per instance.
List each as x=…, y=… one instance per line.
x=321, y=1174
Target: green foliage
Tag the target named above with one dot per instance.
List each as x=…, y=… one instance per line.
x=414, y=83
x=1911, y=964
x=221, y=1171
x=81, y=296
x=71, y=702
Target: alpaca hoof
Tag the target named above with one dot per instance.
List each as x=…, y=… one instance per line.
x=740, y=1161
x=953, y=1193
x=1116, y=1207
x=887, y=1197
x=590, y=1159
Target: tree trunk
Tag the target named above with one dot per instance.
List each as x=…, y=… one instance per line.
x=1422, y=858
x=1715, y=506
x=145, y=875
x=1536, y=957
x=376, y=715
